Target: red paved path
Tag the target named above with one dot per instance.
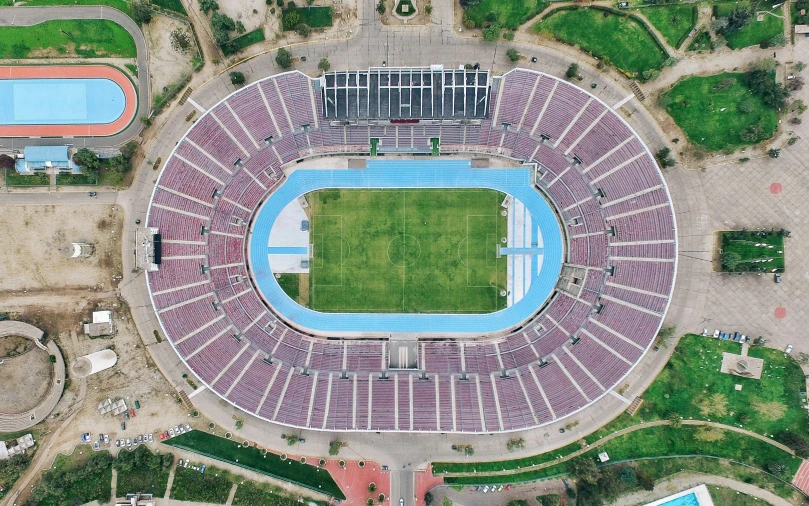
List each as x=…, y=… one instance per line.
x=424, y=482
x=801, y=479
x=72, y=72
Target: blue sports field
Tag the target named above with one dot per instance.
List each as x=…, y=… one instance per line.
x=60, y=101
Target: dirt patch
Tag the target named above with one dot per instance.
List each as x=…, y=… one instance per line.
x=33, y=260
x=25, y=381
x=716, y=404
x=12, y=346
x=771, y=411
x=166, y=66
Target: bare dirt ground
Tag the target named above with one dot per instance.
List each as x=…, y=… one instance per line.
x=166, y=65
x=24, y=381
x=32, y=261
x=242, y=10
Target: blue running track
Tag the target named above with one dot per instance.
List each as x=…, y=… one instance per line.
x=410, y=174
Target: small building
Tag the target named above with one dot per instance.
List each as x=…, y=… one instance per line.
x=802, y=29
x=36, y=158
x=138, y=499
x=11, y=448
x=102, y=324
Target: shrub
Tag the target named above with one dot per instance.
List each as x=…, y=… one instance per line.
x=221, y=25
x=208, y=6
x=469, y=24
x=428, y=9
x=291, y=20
x=237, y=78
x=324, y=65
x=180, y=40
x=751, y=133
x=762, y=83
x=509, y=35
x=650, y=74
x=572, y=71
x=88, y=161
x=492, y=33
x=380, y=7
x=303, y=30
x=663, y=157
x=513, y=54
x=746, y=106
x=283, y=58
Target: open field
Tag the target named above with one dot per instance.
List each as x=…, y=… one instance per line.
x=510, y=13
x=744, y=244
x=81, y=477
x=673, y=21
x=232, y=452
x=754, y=32
x=85, y=38
x=712, y=117
x=618, y=38
x=142, y=471
x=692, y=386
x=407, y=251
x=33, y=262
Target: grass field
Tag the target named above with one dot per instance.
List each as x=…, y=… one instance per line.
x=754, y=32
x=251, y=458
x=315, y=17
x=248, y=39
x=744, y=244
x=14, y=178
x=692, y=386
x=75, y=180
x=713, y=118
x=622, y=40
x=509, y=13
x=143, y=471
x=82, y=477
x=87, y=38
x=251, y=494
x=673, y=21
x=407, y=251
x=172, y=5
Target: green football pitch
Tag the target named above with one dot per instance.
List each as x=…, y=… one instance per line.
x=406, y=251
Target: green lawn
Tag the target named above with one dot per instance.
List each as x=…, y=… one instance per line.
x=723, y=496
x=692, y=386
x=673, y=21
x=315, y=17
x=401, y=6
x=190, y=485
x=121, y=5
x=132, y=68
x=75, y=180
x=712, y=118
x=143, y=471
x=744, y=244
x=509, y=13
x=81, y=477
x=14, y=178
x=659, y=442
x=622, y=40
x=290, y=284
x=700, y=42
x=87, y=38
x=231, y=452
x=172, y=5
x=407, y=251
x=754, y=32
x=248, y=39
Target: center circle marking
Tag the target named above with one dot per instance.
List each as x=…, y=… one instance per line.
x=404, y=250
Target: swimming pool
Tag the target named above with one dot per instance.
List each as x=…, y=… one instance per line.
x=686, y=500
x=90, y=101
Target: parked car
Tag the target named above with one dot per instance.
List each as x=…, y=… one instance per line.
x=132, y=413
x=96, y=446
x=163, y=436
x=186, y=463
x=716, y=333
x=151, y=438
x=126, y=415
x=128, y=442
x=91, y=194
x=788, y=350
x=106, y=438
x=137, y=404
x=117, y=443
x=171, y=432
x=188, y=427
x=777, y=278
x=202, y=469
x=123, y=425
x=180, y=464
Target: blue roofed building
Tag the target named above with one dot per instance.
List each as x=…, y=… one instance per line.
x=38, y=158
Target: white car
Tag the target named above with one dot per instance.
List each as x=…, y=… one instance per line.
x=106, y=438
x=788, y=350
x=171, y=432
x=151, y=438
x=716, y=333
x=188, y=427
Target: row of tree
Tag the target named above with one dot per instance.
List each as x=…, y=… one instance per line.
x=91, y=164
x=221, y=25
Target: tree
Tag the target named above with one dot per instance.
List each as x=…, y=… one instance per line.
x=283, y=58
x=513, y=54
x=334, y=447
x=774, y=153
x=324, y=65
x=7, y=162
x=428, y=498
x=129, y=149
x=795, y=441
x=469, y=24
x=509, y=35
x=303, y=30
x=180, y=40
x=88, y=161
x=380, y=7
x=763, y=84
x=292, y=440
x=222, y=25
x=584, y=469
x=372, y=487
x=572, y=71
x=737, y=20
x=208, y=6
x=492, y=33
x=119, y=164
x=237, y=78
x=141, y=12
x=730, y=260
x=650, y=74
x=291, y=20
x=240, y=29
x=795, y=84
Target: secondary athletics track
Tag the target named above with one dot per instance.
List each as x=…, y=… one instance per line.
x=73, y=72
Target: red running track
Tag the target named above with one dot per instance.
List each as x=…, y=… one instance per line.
x=73, y=72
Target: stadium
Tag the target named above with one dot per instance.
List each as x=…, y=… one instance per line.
x=541, y=283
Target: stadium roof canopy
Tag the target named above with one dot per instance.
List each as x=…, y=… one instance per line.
x=381, y=93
